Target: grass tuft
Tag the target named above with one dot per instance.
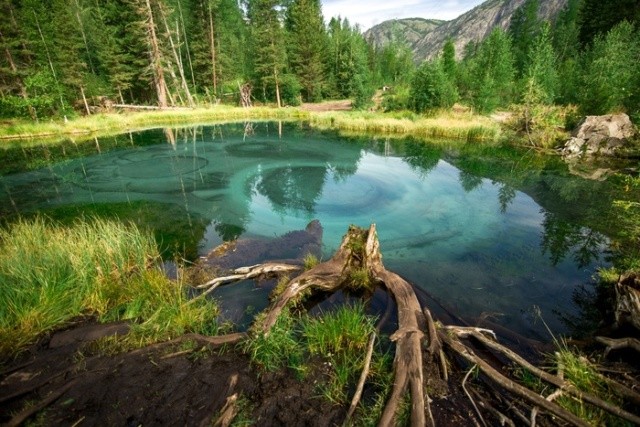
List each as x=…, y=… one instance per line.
x=51, y=273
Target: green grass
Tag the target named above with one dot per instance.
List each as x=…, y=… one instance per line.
x=309, y=261
x=109, y=123
x=583, y=374
x=441, y=125
x=281, y=348
x=50, y=274
x=339, y=339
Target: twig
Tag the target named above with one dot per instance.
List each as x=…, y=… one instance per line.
x=563, y=384
x=502, y=418
x=473, y=402
x=24, y=415
x=509, y=384
x=244, y=273
x=363, y=377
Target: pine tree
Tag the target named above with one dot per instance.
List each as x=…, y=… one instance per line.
x=269, y=55
x=121, y=50
x=541, y=77
x=597, y=17
x=523, y=29
x=449, y=64
x=308, y=45
x=611, y=79
x=491, y=73
x=432, y=88
x=349, y=62
x=565, y=42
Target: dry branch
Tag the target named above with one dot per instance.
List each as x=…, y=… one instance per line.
x=245, y=273
x=363, y=377
x=558, y=382
x=510, y=385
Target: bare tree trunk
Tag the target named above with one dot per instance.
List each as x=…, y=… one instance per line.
x=156, y=59
x=275, y=75
x=84, y=100
x=186, y=44
x=183, y=80
x=84, y=36
x=46, y=49
x=213, y=52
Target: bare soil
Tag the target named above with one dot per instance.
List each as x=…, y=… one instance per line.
x=344, y=105
x=78, y=385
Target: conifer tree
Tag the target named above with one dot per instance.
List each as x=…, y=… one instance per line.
x=432, y=88
x=541, y=77
x=449, y=60
x=611, y=79
x=308, y=46
x=269, y=55
x=491, y=73
x=523, y=29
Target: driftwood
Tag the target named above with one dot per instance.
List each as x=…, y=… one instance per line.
x=418, y=335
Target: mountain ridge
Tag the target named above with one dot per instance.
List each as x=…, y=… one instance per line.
x=473, y=25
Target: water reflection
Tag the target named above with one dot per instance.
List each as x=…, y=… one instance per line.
x=483, y=229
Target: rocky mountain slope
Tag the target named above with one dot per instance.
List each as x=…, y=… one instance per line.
x=411, y=30
x=473, y=25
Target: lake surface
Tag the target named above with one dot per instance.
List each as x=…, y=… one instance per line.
x=487, y=232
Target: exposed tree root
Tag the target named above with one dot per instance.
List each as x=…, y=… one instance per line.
x=417, y=331
x=618, y=344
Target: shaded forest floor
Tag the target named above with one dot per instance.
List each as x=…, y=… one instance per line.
x=67, y=379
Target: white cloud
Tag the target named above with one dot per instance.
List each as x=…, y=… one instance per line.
x=368, y=13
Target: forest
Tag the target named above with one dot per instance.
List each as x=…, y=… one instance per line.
x=109, y=311
x=63, y=56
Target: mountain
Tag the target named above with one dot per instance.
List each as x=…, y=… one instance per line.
x=411, y=30
x=473, y=25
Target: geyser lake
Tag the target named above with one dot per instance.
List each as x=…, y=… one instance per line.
x=488, y=232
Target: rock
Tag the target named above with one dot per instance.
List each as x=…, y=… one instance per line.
x=600, y=135
x=628, y=301
x=291, y=247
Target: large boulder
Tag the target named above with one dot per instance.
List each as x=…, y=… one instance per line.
x=600, y=135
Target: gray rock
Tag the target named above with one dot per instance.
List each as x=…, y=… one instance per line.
x=600, y=135
x=291, y=247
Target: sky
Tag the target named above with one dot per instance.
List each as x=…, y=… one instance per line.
x=368, y=13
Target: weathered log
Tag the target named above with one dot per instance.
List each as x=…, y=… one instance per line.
x=407, y=363
x=245, y=273
x=327, y=276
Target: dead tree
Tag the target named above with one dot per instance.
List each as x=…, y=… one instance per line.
x=419, y=341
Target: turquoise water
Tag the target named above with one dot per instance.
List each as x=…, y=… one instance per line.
x=461, y=222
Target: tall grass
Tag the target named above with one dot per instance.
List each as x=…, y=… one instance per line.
x=107, y=122
x=444, y=125
x=50, y=274
x=441, y=125
x=338, y=338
